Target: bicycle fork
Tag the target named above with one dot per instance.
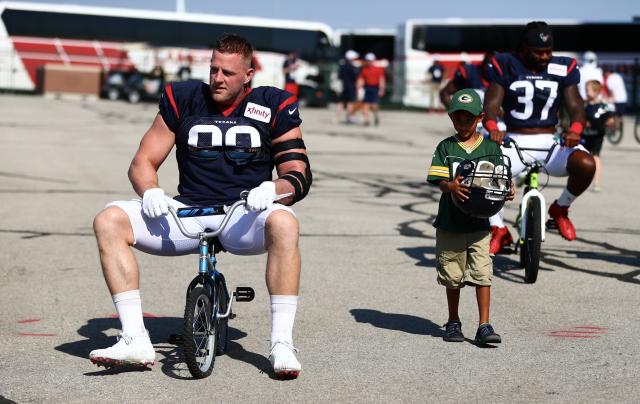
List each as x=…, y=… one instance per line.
x=523, y=214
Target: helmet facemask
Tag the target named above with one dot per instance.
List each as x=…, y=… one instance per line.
x=489, y=181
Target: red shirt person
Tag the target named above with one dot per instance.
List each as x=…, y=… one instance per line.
x=372, y=79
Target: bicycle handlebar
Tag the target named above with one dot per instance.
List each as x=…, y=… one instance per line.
x=225, y=220
x=204, y=234
x=508, y=142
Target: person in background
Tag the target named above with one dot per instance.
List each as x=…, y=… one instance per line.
x=289, y=66
x=600, y=117
x=435, y=74
x=373, y=82
x=616, y=92
x=468, y=76
x=348, y=75
x=589, y=70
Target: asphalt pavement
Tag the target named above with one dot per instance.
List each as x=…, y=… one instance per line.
x=370, y=314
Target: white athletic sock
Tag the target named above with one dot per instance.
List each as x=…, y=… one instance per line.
x=497, y=219
x=566, y=198
x=129, y=307
x=283, y=313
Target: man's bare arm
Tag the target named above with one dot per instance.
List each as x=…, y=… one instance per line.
x=575, y=107
x=493, y=101
x=155, y=146
x=446, y=92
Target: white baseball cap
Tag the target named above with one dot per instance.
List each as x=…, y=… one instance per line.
x=370, y=56
x=351, y=54
x=589, y=57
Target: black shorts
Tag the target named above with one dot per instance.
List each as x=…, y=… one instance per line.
x=593, y=143
x=371, y=94
x=348, y=94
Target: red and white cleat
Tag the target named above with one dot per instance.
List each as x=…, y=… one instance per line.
x=136, y=350
x=500, y=237
x=283, y=359
x=560, y=215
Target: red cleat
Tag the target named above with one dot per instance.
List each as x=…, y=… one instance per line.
x=500, y=237
x=560, y=215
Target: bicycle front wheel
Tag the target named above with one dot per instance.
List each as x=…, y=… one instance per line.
x=636, y=128
x=530, y=251
x=200, y=332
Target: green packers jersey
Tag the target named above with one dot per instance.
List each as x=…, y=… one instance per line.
x=448, y=155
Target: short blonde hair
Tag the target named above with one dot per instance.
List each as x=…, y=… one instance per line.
x=594, y=84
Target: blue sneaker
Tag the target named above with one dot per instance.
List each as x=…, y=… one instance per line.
x=453, y=331
x=486, y=335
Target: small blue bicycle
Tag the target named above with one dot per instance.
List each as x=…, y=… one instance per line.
x=208, y=307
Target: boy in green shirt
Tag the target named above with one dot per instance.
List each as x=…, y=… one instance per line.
x=462, y=241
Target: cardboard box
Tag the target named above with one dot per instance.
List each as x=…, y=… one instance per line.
x=56, y=79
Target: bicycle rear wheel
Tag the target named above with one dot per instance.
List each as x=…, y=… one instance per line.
x=636, y=128
x=222, y=324
x=615, y=135
x=200, y=333
x=530, y=251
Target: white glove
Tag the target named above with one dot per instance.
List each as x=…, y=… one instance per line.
x=154, y=203
x=261, y=197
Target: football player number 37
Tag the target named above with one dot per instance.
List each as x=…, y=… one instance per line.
x=527, y=98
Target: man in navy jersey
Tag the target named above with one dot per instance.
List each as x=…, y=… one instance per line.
x=530, y=86
x=228, y=138
x=468, y=76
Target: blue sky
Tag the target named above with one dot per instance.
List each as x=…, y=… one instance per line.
x=389, y=13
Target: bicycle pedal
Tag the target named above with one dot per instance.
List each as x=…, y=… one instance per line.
x=551, y=224
x=232, y=316
x=176, y=339
x=244, y=294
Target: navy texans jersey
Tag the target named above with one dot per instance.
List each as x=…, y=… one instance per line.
x=470, y=76
x=223, y=152
x=531, y=98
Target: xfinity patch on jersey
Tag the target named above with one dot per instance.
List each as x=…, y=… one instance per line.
x=258, y=112
x=556, y=69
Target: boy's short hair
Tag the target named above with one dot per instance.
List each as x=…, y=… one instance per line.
x=466, y=99
x=595, y=84
x=234, y=43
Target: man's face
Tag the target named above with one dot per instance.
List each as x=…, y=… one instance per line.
x=228, y=74
x=538, y=58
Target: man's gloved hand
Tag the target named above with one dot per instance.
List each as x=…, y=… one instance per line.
x=261, y=197
x=154, y=203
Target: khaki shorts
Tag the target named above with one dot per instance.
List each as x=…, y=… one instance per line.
x=463, y=259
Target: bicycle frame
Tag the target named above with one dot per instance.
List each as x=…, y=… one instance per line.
x=207, y=261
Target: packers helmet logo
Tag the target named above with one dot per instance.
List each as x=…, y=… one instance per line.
x=544, y=37
x=465, y=99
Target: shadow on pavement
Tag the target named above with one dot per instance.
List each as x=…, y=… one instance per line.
x=160, y=328
x=399, y=322
x=507, y=267
x=420, y=255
